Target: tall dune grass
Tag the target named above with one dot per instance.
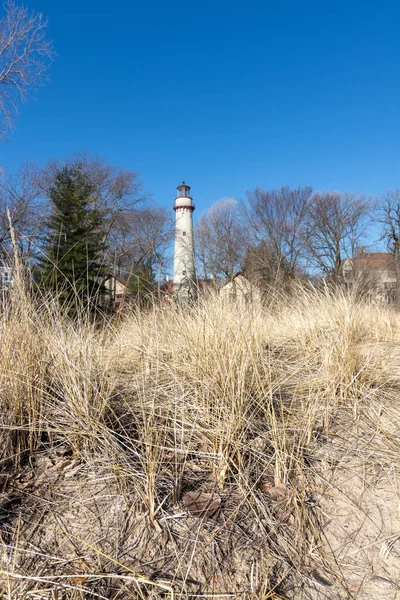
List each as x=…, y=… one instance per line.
x=219, y=397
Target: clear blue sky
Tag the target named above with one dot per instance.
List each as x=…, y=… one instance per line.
x=226, y=95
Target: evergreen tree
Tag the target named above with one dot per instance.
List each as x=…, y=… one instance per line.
x=142, y=284
x=74, y=245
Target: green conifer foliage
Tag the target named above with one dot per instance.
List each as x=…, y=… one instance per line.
x=142, y=284
x=74, y=246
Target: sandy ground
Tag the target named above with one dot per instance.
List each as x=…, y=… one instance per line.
x=357, y=475
x=354, y=497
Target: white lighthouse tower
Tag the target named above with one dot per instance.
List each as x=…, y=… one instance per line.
x=185, y=285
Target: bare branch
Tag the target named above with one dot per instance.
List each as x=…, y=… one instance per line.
x=134, y=229
x=221, y=239
x=278, y=218
x=20, y=197
x=25, y=56
x=337, y=221
x=141, y=236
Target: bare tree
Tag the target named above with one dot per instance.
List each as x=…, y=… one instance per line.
x=279, y=219
x=117, y=193
x=265, y=268
x=336, y=221
x=135, y=230
x=221, y=239
x=20, y=198
x=25, y=56
x=141, y=236
x=387, y=213
x=115, y=189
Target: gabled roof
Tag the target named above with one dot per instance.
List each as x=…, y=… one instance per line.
x=241, y=281
x=375, y=261
x=117, y=278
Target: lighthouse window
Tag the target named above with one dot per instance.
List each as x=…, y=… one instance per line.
x=184, y=233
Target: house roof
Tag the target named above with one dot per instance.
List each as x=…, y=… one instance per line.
x=117, y=278
x=241, y=281
x=375, y=261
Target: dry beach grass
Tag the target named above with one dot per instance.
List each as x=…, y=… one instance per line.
x=286, y=416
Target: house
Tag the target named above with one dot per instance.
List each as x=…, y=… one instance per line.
x=116, y=291
x=375, y=271
x=7, y=276
x=241, y=290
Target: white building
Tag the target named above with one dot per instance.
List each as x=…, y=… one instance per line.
x=375, y=272
x=116, y=291
x=7, y=276
x=185, y=285
x=241, y=291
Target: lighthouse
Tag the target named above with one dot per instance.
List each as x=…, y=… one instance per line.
x=185, y=286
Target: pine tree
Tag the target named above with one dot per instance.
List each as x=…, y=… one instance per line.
x=74, y=244
x=142, y=284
